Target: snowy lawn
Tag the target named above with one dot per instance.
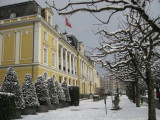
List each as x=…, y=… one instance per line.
x=89, y=110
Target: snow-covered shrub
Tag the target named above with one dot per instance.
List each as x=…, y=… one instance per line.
x=60, y=92
x=11, y=85
x=52, y=91
x=29, y=92
x=66, y=91
x=7, y=106
x=42, y=91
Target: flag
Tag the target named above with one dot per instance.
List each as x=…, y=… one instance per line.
x=68, y=23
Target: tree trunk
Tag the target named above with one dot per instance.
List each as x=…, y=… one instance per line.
x=151, y=100
x=137, y=94
x=157, y=90
x=133, y=92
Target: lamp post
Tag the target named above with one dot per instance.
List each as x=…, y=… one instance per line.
x=90, y=86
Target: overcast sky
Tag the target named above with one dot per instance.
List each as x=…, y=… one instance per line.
x=82, y=22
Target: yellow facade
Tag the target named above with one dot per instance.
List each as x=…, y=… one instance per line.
x=30, y=44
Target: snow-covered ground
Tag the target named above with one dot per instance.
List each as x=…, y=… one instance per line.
x=89, y=110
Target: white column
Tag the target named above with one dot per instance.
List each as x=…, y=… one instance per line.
x=17, y=47
x=0, y=48
x=62, y=78
x=66, y=60
x=61, y=58
x=70, y=62
x=67, y=81
x=73, y=66
x=81, y=67
x=76, y=65
x=57, y=65
x=37, y=42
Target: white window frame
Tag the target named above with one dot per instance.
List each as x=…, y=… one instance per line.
x=53, y=52
x=45, y=36
x=45, y=47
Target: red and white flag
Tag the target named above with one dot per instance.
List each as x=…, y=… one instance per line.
x=68, y=23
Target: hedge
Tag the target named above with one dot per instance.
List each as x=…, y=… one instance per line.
x=7, y=106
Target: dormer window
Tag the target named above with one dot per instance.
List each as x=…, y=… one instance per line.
x=12, y=15
x=49, y=20
x=45, y=36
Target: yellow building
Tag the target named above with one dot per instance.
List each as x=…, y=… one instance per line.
x=30, y=44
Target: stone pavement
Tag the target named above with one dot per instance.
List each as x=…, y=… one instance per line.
x=157, y=104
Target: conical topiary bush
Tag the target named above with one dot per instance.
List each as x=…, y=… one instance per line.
x=52, y=93
x=11, y=85
x=66, y=92
x=42, y=94
x=30, y=95
x=60, y=93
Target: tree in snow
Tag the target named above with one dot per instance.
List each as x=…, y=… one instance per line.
x=29, y=92
x=134, y=45
x=52, y=91
x=42, y=91
x=66, y=91
x=156, y=74
x=11, y=85
x=145, y=42
x=60, y=92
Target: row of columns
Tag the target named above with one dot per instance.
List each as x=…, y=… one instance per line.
x=69, y=62
x=69, y=80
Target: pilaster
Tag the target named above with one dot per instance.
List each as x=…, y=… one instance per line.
x=17, y=47
x=0, y=48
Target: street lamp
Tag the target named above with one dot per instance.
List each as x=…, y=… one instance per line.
x=90, y=87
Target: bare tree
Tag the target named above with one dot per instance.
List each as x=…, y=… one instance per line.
x=94, y=6
x=136, y=42
x=134, y=45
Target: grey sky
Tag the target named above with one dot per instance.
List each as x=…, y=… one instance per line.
x=82, y=22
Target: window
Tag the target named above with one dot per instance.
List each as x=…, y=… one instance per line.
x=54, y=77
x=60, y=79
x=12, y=15
x=45, y=55
x=45, y=35
x=49, y=20
x=53, y=59
x=45, y=76
x=53, y=42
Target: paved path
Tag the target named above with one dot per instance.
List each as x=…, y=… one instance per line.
x=89, y=110
x=157, y=104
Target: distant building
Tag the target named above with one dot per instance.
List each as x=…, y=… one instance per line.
x=110, y=84
x=30, y=44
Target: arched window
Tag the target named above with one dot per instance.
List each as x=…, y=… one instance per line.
x=45, y=76
x=54, y=77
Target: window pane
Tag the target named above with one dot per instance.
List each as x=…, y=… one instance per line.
x=45, y=55
x=49, y=20
x=53, y=59
x=45, y=76
x=45, y=35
